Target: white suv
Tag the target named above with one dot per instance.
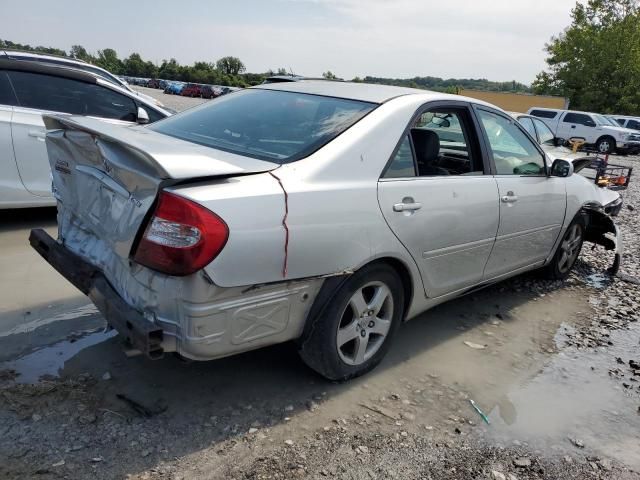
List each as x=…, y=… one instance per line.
x=29, y=89
x=595, y=129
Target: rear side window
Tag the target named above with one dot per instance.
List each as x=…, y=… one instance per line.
x=58, y=94
x=544, y=113
x=276, y=126
x=579, y=118
x=6, y=92
x=402, y=165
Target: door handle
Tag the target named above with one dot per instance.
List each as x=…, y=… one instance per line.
x=510, y=197
x=37, y=134
x=573, y=126
x=407, y=207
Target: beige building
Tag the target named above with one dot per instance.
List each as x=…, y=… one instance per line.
x=517, y=102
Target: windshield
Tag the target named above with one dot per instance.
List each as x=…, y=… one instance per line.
x=602, y=120
x=277, y=126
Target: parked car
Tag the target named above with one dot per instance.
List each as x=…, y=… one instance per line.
x=174, y=88
x=556, y=148
x=207, y=91
x=316, y=211
x=191, y=90
x=153, y=83
x=77, y=64
x=625, y=121
x=29, y=89
x=594, y=128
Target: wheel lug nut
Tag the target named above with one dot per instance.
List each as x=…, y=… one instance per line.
x=371, y=324
x=363, y=333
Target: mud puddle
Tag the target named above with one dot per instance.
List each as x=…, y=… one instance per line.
x=50, y=360
x=577, y=401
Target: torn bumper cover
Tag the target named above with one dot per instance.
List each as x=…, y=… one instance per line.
x=139, y=332
x=603, y=231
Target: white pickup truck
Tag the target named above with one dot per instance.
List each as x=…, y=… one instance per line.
x=593, y=128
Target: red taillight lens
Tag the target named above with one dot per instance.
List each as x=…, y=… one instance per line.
x=182, y=237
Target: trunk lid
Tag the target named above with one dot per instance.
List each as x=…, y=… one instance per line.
x=106, y=178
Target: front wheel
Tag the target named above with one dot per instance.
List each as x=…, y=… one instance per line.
x=352, y=334
x=568, y=251
x=606, y=145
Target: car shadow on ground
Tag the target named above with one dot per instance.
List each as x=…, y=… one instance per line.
x=205, y=403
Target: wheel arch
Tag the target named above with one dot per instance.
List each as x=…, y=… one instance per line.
x=332, y=285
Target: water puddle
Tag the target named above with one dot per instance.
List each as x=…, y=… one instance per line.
x=80, y=312
x=598, y=280
x=575, y=397
x=51, y=359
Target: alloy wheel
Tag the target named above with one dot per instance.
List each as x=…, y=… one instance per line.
x=570, y=248
x=365, y=323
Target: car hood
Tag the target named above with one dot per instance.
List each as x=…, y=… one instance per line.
x=580, y=160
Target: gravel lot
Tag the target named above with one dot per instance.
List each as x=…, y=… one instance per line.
x=556, y=371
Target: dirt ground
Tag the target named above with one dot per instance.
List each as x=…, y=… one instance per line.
x=553, y=365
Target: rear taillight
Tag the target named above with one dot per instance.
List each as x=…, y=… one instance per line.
x=181, y=237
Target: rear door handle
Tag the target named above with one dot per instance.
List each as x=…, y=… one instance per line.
x=510, y=197
x=37, y=134
x=407, y=207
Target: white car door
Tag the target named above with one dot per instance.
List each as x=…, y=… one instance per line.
x=532, y=205
x=578, y=125
x=439, y=200
x=39, y=93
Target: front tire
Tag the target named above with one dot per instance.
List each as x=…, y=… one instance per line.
x=352, y=334
x=606, y=145
x=568, y=251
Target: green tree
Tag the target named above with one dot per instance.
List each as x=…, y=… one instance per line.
x=108, y=59
x=134, y=66
x=230, y=66
x=329, y=75
x=596, y=60
x=79, y=52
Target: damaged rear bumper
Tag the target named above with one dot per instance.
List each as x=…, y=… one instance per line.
x=140, y=333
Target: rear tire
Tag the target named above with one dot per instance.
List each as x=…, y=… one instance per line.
x=606, y=145
x=568, y=251
x=352, y=334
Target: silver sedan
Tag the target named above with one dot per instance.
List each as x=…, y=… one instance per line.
x=316, y=211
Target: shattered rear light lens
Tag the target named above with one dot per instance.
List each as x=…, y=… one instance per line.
x=182, y=237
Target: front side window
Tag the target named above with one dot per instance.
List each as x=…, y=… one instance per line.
x=270, y=125
x=545, y=135
x=634, y=125
x=58, y=94
x=512, y=151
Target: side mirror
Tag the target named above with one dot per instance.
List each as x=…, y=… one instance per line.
x=143, y=116
x=561, y=168
x=590, y=123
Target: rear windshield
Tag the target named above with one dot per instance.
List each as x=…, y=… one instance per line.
x=277, y=126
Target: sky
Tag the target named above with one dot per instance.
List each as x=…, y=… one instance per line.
x=500, y=40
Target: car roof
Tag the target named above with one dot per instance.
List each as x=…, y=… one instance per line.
x=49, y=69
x=366, y=92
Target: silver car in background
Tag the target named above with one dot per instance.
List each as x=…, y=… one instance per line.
x=30, y=89
x=316, y=211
